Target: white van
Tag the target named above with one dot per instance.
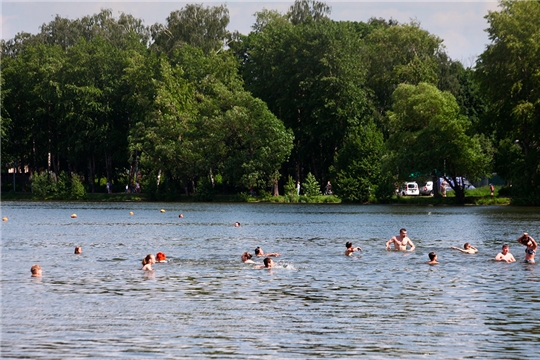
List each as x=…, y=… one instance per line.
x=409, y=189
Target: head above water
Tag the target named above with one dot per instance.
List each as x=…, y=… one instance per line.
x=160, y=256
x=149, y=259
x=403, y=231
x=466, y=246
x=348, y=244
x=258, y=251
x=78, y=250
x=35, y=270
x=432, y=256
x=268, y=262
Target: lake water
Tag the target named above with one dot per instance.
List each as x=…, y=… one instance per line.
x=317, y=303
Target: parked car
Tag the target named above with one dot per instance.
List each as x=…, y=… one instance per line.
x=409, y=189
x=427, y=188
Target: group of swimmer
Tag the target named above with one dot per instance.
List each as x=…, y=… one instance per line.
x=268, y=261
x=400, y=242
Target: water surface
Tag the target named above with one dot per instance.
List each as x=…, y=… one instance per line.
x=316, y=304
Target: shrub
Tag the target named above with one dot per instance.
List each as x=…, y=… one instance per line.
x=311, y=186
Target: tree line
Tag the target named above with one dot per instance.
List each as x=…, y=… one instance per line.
x=187, y=107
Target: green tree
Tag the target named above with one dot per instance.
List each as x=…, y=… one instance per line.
x=358, y=164
x=311, y=77
x=399, y=53
x=30, y=100
x=193, y=25
x=428, y=132
x=311, y=186
x=305, y=11
x=508, y=73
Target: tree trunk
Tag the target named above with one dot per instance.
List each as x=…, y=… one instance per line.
x=91, y=174
x=276, y=189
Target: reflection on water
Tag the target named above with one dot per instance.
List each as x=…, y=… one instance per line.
x=316, y=303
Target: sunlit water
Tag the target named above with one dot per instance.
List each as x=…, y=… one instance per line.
x=317, y=303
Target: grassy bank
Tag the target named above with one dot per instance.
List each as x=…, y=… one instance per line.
x=480, y=196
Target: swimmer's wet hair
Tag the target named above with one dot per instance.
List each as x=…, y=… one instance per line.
x=35, y=268
x=432, y=255
x=147, y=259
x=466, y=245
x=258, y=250
x=348, y=244
x=267, y=261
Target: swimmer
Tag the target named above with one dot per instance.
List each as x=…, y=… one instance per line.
x=246, y=258
x=400, y=242
x=350, y=249
x=467, y=249
x=268, y=264
x=505, y=255
x=161, y=257
x=148, y=261
x=237, y=224
x=36, y=270
x=78, y=250
x=531, y=245
x=432, y=258
x=259, y=253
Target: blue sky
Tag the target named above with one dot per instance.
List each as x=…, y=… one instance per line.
x=460, y=24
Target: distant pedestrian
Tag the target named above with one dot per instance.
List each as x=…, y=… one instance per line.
x=298, y=188
x=492, y=189
x=443, y=188
x=328, y=189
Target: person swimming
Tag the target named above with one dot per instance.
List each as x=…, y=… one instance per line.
x=161, y=257
x=505, y=255
x=268, y=264
x=148, y=261
x=78, y=250
x=259, y=253
x=400, y=241
x=432, y=258
x=246, y=258
x=531, y=245
x=467, y=248
x=36, y=270
x=350, y=249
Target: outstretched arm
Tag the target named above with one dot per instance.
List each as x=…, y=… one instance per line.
x=456, y=248
x=389, y=242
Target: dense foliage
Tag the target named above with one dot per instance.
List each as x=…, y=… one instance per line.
x=186, y=107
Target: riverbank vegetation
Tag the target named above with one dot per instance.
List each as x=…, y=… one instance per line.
x=186, y=109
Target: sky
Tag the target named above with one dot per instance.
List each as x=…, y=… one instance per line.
x=461, y=24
